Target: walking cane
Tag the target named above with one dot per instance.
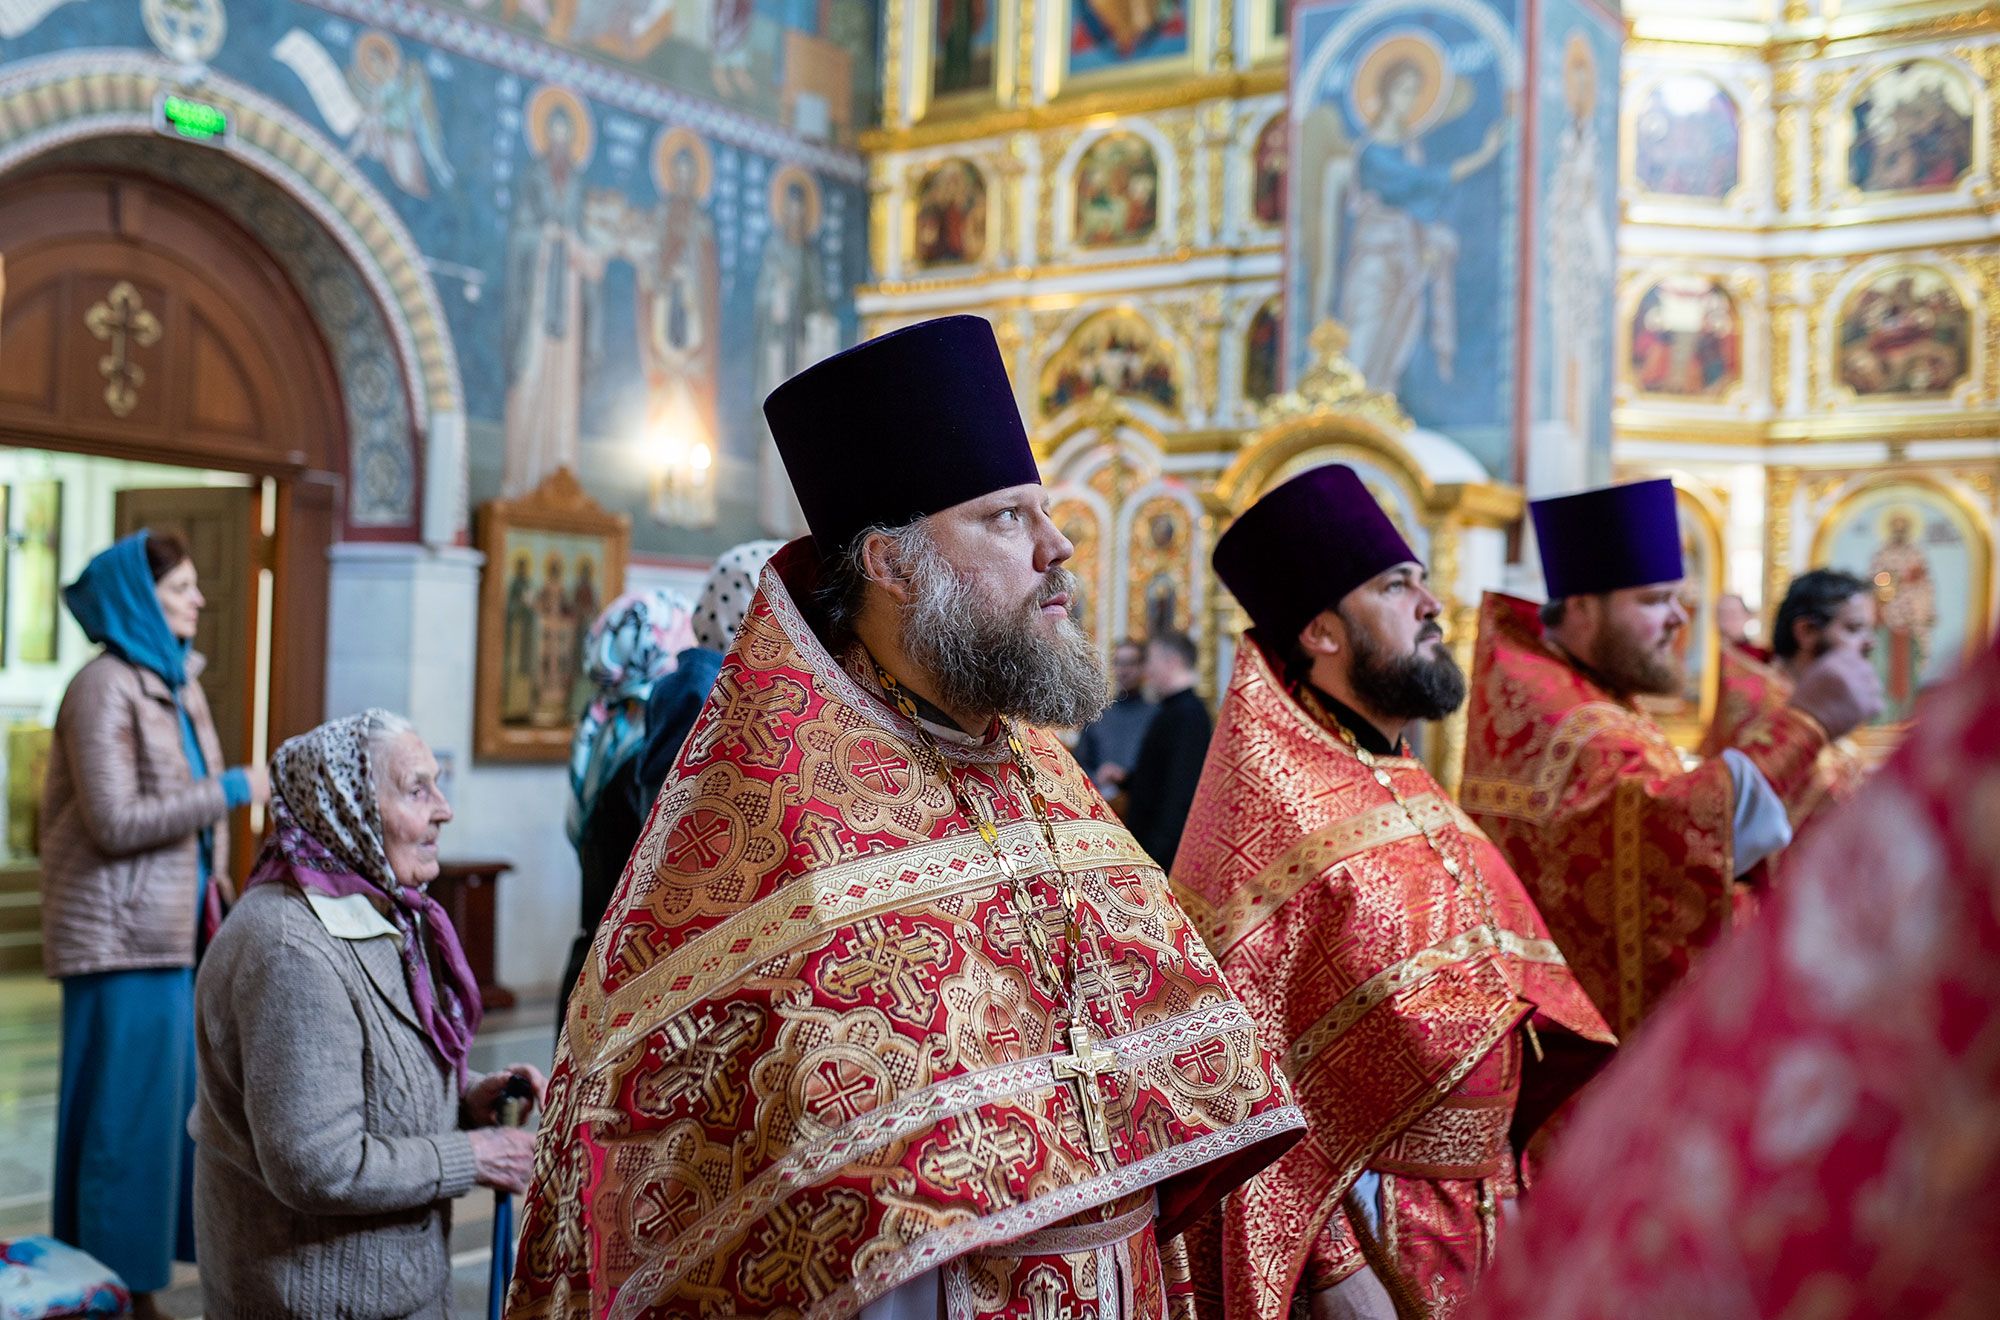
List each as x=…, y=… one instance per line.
x=515, y=1099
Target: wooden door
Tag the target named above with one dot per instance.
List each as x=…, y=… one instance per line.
x=139, y=322
x=220, y=525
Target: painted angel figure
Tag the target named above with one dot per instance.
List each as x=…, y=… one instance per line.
x=1581, y=255
x=399, y=121
x=1395, y=279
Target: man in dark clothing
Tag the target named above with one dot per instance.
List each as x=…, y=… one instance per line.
x=1161, y=787
x=1109, y=745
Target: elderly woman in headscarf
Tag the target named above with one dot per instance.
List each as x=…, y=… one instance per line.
x=629, y=649
x=334, y=1014
x=135, y=860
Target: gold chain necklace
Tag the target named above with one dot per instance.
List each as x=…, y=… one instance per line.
x=1085, y=1062
x=1474, y=887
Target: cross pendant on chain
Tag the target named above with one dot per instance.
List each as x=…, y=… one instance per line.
x=1084, y=1064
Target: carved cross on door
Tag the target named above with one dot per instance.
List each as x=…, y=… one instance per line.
x=121, y=318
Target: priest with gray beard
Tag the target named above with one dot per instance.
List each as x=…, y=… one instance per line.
x=890, y=1011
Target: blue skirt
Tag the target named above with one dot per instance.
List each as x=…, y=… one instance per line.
x=124, y=1184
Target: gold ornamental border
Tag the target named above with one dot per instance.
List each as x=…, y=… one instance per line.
x=1801, y=37
x=944, y=126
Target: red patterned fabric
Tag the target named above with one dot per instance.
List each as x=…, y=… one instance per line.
x=1808, y=1128
x=809, y=1058
x=1627, y=853
x=1751, y=688
x=1377, y=973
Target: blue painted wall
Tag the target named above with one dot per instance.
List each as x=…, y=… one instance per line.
x=445, y=139
x=1408, y=233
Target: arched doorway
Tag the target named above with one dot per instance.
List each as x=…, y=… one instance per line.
x=141, y=324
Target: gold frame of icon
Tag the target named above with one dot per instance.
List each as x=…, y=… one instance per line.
x=558, y=506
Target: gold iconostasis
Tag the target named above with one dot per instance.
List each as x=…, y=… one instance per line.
x=1746, y=245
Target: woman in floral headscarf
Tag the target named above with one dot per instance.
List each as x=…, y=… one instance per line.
x=630, y=648
x=335, y=1120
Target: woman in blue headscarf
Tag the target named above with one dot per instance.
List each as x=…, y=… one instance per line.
x=134, y=868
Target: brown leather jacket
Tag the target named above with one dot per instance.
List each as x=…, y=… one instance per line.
x=120, y=812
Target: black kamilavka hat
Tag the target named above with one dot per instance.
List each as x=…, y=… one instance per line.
x=899, y=428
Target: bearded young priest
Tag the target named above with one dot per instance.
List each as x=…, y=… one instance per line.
x=1633, y=857
x=1379, y=940
x=890, y=1014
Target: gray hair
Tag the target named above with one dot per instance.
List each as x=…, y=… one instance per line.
x=844, y=593
x=379, y=728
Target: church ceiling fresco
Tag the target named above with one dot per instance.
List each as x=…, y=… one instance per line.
x=811, y=68
x=629, y=249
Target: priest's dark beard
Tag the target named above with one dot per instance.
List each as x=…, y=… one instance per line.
x=979, y=656
x=1405, y=687
x=1630, y=666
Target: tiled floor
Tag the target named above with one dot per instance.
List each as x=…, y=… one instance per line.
x=29, y=1014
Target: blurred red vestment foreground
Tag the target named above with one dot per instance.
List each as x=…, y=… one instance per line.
x=1812, y=1128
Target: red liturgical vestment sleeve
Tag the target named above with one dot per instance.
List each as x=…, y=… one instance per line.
x=1626, y=850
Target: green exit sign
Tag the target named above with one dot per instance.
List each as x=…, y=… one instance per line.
x=183, y=116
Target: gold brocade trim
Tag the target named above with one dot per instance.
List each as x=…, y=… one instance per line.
x=841, y=894
x=1498, y=797
x=886, y=1272
x=1307, y=860
x=1628, y=896
x=1451, y=1141
x=1538, y=801
x=1069, y=1239
x=1445, y=1084
x=1420, y=966
x=907, y=1114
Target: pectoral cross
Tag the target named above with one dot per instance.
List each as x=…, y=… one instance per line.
x=1084, y=1064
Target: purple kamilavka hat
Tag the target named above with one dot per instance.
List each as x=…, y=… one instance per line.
x=900, y=427
x=1609, y=539
x=1304, y=546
